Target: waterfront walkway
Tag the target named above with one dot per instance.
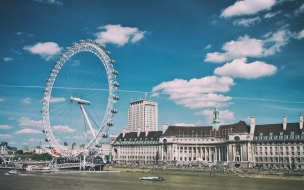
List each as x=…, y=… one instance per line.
x=212, y=171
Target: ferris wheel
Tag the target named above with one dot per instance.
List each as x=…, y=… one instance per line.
x=79, y=100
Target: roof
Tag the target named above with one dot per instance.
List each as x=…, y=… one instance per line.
x=240, y=127
x=133, y=135
x=277, y=128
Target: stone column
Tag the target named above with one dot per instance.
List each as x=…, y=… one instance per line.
x=220, y=159
x=205, y=153
x=216, y=154
x=210, y=154
x=192, y=153
x=183, y=157
x=227, y=153
x=241, y=153
x=178, y=152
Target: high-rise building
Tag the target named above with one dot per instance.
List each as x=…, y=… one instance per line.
x=143, y=116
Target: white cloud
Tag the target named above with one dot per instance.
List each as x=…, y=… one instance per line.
x=246, y=22
x=243, y=47
x=50, y=2
x=116, y=34
x=138, y=36
x=247, y=7
x=239, y=68
x=272, y=14
x=184, y=125
x=251, y=47
x=34, y=140
x=27, y=122
x=196, y=93
x=208, y=46
x=5, y=127
x=226, y=116
x=2, y=99
x=12, y=142
x=276, y=41
x=300, y=10
x=8, y=59
x=63, y=129
x=6, y=136
x=27, y=131
x=46, y=50
x=53, y=100
x=299, y=36
x=26, y=101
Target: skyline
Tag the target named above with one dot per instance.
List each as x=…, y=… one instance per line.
x=189, y=56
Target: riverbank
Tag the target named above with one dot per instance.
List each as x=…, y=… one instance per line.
x=126, y=180
x=230, y=173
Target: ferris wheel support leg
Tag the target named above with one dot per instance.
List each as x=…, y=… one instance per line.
x=84, y=161
x=79, y=163
x=88, y=121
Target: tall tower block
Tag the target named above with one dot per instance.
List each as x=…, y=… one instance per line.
x=143, y=114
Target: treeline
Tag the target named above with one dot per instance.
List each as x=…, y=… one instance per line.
x=32, y=156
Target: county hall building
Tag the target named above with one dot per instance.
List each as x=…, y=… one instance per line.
x=276, y=146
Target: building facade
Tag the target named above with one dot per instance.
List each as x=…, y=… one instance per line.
x=276, y=146
x=143, y=114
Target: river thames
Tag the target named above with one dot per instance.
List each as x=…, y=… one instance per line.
x=130, y=180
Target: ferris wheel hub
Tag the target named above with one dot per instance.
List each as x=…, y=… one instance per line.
x=80, y=101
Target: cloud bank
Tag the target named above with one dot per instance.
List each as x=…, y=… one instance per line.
x=116, y=34
x=239, y=68
x=196, y=93
x=251, y=47
x=247, y=7
x=46, y=50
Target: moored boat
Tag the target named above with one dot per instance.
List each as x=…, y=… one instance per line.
x=152, y=178
x=34, y=168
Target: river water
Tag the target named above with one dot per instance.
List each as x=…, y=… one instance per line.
x=128, y=180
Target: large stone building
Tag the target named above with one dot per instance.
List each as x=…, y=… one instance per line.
x=143, y=114
x=277, y=146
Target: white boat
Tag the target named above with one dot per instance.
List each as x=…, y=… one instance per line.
x=152, y=178
x=12, y=172
x=38, y=168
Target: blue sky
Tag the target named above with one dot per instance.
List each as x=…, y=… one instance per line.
x=246, y=57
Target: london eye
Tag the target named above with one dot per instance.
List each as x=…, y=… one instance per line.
x=79, y=100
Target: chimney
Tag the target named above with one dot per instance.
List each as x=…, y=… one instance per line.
x=301, y=121
x=252, y=124
x=124, y=130
x=165, y=127
x=284, y=122
x=138, y=131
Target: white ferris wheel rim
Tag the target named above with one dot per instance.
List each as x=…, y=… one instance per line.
x=97, y=49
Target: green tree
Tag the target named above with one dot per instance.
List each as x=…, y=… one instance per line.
x=19, y=152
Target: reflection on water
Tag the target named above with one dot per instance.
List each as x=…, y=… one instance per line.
x=129, y=180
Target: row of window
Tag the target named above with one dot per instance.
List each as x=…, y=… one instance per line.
x=281, y=148
x=281, y=160
x=276, y=137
